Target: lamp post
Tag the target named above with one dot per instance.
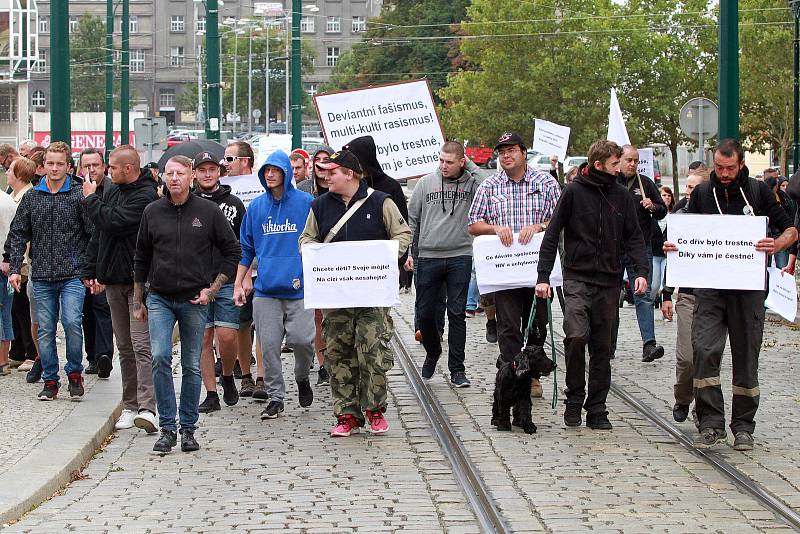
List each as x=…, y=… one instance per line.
x=212, y=69
x=60, y=125
x=796, y=119
x=297, y=88
x=728, y=87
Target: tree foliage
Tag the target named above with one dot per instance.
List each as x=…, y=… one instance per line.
x=411, y=39
x=87, y=58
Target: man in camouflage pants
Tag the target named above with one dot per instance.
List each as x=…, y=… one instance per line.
x=357, y=354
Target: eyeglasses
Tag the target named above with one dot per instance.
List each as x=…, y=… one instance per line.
x=231, y=159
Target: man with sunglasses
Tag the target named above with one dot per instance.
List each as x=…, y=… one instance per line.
x=7, y=155
x=516, y=200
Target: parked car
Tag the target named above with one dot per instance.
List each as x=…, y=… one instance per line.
x=173, y=140
x=479, y=154
x=656, y=173
x=573, y=161
x=538, y=162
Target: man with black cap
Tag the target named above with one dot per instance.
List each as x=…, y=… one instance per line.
x=516, y=200
x=223, y=315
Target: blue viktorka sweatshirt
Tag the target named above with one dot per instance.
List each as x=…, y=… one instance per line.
x=270, y=230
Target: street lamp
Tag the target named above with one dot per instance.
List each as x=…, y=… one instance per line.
x=212, y=67
x=796, y=119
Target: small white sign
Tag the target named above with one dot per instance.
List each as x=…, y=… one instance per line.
x=716, y=251
x=246, y=187
x=550, y=138
x=351, y=274
x=646, y=166
x=400, y=117
x=498, y=267
x=782, y=297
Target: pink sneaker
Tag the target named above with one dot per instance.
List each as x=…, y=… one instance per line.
x=377, y=423
x=347, y=424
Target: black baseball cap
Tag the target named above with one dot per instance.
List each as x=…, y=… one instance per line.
x=343, y=158
x=206, y=157
x=510, y=139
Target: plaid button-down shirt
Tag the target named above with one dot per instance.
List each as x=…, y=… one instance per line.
x=502, y=201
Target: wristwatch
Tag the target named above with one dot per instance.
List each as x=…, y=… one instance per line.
x=544, y=226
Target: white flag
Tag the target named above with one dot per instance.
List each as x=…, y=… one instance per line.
x=616, y=124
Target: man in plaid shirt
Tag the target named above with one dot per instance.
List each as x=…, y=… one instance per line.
x=519, y=200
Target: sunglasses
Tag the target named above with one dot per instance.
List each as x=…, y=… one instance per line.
x=231, y=159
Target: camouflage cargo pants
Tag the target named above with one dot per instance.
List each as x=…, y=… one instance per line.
x=357, y=357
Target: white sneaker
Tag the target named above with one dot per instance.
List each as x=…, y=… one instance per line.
x=146, y=420
x=125, y=420
x=26, y=366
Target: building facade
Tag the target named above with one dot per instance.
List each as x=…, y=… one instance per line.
x=167, y=40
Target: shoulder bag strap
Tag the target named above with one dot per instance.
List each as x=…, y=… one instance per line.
x=346, y=217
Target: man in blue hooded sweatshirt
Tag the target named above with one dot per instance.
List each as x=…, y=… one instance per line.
x=270, y=230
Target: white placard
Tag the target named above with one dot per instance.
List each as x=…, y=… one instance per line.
x=246, y=187
x=550, y=138
x=400, y=117
x=351, y=274
x=498, y=267
x=646, y=166
x=716, y=251
x=782, y=297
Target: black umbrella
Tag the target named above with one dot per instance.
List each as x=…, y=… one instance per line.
x=192, y=148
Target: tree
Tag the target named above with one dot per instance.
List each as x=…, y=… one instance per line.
x=525, y=60
x=410, y=39
x=87, y=58
x=766, y=77
x=667, y=49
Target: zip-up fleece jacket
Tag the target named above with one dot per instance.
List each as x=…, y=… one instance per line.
x=233, y=210
x=116, y=214
x=58, y=227
x=598, y=217
x=377, y=218
x=175, y=247
x=439, y=211
x=270, y=230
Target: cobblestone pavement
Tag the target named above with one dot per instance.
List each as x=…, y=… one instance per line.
x=32, y=419
x=288, y=475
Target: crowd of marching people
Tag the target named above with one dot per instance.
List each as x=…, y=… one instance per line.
x=118, y=253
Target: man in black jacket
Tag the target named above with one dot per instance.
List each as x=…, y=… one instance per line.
x=737, y=313
x=178, y=239
x=598, y=218
x=53, y=218
x=116, y=213
x=649, y=207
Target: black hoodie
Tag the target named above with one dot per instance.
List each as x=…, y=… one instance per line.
x=116, y=213
x=364, y=149
x=759, y=196
x=233, y=209
x=598, y=217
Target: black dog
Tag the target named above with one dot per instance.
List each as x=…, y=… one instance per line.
x=512, y=387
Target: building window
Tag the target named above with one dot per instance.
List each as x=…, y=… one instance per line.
x=333, y=25
x=73, y=24
x=176, y=57
x=333, y=56
x=176, y=24
x=44, y=25
x=166, y=98
x=200, y=25
x=133, y=24
x=41, y=64
x=307, y=25
x=136, y=60
x=311, y=89
x=8, y=104
x=359, y=24
x=37, y=99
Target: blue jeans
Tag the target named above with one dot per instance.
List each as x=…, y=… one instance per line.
x=163, y=313
x=435, y=275
x=66, y=297
x=779, y=259
x=6, y=298
x=643, y=303
x=657, y=276
x=473, y=295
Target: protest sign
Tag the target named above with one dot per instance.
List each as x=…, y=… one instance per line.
x=716, y=251
x=498, y=267
x=400, y=117
x=646, y=165
x=246, y=187
x=782, y=297
x=550, y=138
x=351, y=274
